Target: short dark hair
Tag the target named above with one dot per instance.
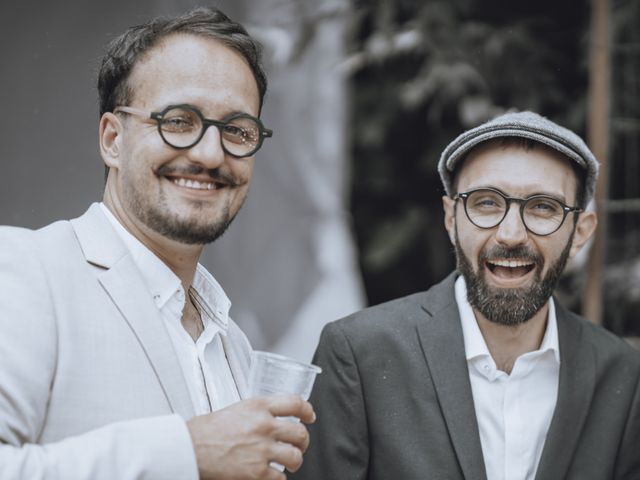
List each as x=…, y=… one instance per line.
x=528, y=144
x=124, y=51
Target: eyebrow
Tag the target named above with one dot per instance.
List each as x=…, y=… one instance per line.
x=195, y=107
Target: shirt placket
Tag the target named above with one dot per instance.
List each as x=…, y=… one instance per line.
x=207, y=388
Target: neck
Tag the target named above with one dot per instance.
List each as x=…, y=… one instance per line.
x=181, y=258
x=507, y=343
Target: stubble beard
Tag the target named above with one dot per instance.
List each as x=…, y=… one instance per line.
x=510, y=306
x=159, y=218
x=187, y=231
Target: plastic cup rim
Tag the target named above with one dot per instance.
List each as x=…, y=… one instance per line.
x=282, y=358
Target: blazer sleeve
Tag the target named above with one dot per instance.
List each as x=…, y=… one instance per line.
x=147, y=448
x=339, y=442
x=628, y=461
x=154, y=447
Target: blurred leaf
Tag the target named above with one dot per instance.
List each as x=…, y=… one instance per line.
x=392, y=238
x=423, y=71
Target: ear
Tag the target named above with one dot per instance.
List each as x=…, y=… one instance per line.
x=585, y=227
x=110, y=137
x=449, y=207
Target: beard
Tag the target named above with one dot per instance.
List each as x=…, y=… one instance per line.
x=510, y=306
x=188, y=231
x=157, y=215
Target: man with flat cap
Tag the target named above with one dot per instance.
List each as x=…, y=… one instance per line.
x=486, y=375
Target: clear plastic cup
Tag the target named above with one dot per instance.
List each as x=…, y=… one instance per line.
x=273, y=374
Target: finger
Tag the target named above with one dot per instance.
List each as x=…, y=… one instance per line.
x=291, y=406
x=287, y=455
x=292, y=432
x=273, y=474
x=270, y=472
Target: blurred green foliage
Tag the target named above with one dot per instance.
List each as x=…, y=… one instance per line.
x=424, y=71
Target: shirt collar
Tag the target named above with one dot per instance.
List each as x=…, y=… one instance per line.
x=474, y=344
x=162, y=283
x=550, y=339
x=213, y=299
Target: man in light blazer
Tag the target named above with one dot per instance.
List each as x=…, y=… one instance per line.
x=118, y=359
x=486, y=375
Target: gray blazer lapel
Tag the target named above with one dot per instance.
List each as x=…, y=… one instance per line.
x=443, y=346
x=575, y=391
x=122, y=281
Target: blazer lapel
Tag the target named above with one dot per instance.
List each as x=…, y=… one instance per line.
x=237, y=352
x=443, y=346
x=575, y=391
x=124, y=285
x=128, y=292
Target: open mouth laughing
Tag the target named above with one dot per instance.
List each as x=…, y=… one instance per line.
x=510, y=268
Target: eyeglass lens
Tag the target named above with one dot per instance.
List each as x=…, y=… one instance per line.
x=183, y=127
x=542, y=215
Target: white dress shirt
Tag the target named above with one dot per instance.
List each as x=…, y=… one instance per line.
x=203, y=362
x=513, y=411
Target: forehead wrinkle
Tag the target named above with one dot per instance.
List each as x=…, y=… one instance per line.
x=518, y=173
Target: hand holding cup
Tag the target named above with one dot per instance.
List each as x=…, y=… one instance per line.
x=273, y=374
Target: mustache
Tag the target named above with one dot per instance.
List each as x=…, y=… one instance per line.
x=215, y=174
x=519, y=252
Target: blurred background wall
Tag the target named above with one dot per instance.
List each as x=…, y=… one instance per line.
x=345, y=207
x=288, y=261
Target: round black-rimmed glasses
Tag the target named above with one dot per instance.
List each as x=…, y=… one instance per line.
x=541, y=215
x=183, y=126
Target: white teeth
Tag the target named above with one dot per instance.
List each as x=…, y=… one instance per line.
x=196, y=185
x=510, y=263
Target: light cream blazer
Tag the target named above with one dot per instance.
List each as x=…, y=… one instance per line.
x=90, y=386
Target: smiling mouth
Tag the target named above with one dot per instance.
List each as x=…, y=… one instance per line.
x=508, y=269
x=195, y=184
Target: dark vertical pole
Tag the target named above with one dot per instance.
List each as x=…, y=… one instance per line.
x=597, y=138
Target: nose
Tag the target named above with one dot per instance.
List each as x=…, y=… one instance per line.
x=208, y=151
x=511, y=230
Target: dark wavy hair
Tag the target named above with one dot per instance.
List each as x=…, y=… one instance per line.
x=124, y=51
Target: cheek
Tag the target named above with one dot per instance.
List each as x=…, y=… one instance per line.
x=242, y=170
x=551, y=250
x=471, y=243
x=138, y=154
x=135, y=171
x=552, y=246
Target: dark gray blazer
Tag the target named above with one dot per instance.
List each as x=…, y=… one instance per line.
x=394, y=400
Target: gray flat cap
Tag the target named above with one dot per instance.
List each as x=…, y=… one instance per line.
x=526, y=125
